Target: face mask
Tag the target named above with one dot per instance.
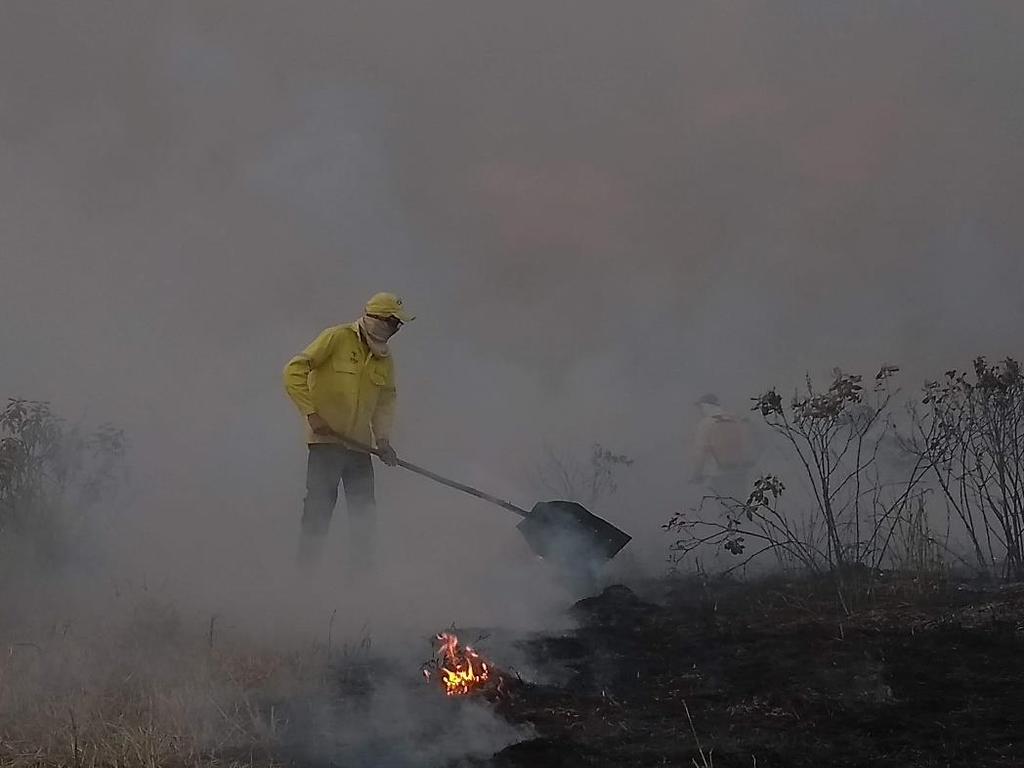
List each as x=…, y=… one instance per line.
x=376, y=332
x=377, y=328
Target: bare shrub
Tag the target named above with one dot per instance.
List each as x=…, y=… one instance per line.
x=586, y=482
x=862, y=491
x=915, y=549
x=738, y=523
x=968, y=429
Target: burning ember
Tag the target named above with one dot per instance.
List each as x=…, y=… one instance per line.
x=459, y=668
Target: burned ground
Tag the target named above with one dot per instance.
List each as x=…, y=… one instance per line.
x=775, y=675
x=675, y=672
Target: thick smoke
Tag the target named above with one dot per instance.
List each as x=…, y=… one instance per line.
x=598, y=210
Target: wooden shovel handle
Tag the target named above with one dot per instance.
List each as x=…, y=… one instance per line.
x=440, y=478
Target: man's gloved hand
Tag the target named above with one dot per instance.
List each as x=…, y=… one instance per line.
x=319, y=425
x=386, y=453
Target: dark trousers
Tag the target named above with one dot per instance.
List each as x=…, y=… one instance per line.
x=327, y=466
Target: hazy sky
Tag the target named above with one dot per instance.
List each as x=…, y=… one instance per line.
x=599, y=210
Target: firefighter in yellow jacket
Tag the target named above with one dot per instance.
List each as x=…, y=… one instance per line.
x=344, y=386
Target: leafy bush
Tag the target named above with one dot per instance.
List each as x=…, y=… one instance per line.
x=51, y=475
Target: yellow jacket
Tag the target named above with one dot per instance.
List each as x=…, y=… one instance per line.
x=337, y=377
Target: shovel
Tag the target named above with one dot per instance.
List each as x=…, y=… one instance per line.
x=561, y=531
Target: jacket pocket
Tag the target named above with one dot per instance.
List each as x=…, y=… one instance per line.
x=380, y=378
x=344, y=366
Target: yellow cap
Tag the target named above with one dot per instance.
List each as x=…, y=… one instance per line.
x=388, y=305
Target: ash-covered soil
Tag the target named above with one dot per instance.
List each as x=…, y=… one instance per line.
x=775, y=674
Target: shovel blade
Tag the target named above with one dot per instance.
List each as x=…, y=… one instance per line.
x=565, y=530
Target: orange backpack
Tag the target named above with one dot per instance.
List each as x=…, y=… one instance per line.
x=729, y=441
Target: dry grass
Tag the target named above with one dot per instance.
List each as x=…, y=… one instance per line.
x=145, y=693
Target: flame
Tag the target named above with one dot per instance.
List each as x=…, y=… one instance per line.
x=462, y=670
